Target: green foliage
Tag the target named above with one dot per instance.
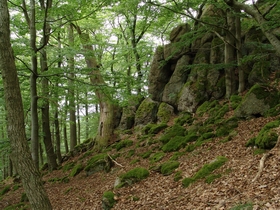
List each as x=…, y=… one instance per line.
x=157, y=157
x=68, y=166
x=130, y=153
x=176, y=155
x=167, y=168
x=175, y=130
x=76, y=170
x=206, y=171
x=178, y=176
x=235, y=100
x=123, y=144
x=146, y=154
x=267, y=137
x=274, y=111
x=178, y=142
x=259, y=151
x=209, y=179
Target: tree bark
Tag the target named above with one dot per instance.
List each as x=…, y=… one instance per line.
x=20, y=154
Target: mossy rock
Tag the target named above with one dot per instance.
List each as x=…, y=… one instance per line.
x=206, y=106
x=76, y=170
x=175, y=130
x=100, y=162
x=123, y=144
x=178, y=142
x=205, y=171
x=274, y=111
x=267, y=137
x=157, y=157
x=108, y=200
x=165, y=111
x=226, y=126
x=154, y=128
x=133, y=176
x=258, y=100
x=146, y=112
x=184, y=118
x=169, y=167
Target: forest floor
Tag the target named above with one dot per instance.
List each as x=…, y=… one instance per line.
x=233, y=190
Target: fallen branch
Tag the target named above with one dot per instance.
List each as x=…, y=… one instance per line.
x=115, y=161
x=264, y=157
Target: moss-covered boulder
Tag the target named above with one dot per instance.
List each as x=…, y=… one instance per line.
x=147, y=112
x=178, y=142
x=165, y=111
x=267, y=137
x=257, y=101
x=100, y=162
x=123, y=143
x=184, y=118
x=132, y=176
x=108, y=200
x=154, y=128
x=168, y=168
x=175, y=130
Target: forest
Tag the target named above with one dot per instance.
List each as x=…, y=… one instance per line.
x=79, y=76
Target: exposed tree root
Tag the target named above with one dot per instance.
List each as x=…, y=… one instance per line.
x=264, y=157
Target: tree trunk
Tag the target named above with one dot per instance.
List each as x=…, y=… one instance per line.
x=20, y=152
x=230, y=57
x=72, y=107
x=106, y=120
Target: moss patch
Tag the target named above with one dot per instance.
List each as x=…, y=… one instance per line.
x=205, y=171
x=133, y=176
x=68, y=166
x=76, y=170
x=99, y=162
x=169, y=167
x=178, y=142
x=175, y=130
x=108, y=200
x=123, y=144
x=184, y=118
x=157, y=157
x=154, y=128
x=267, y=137
x=5, y=190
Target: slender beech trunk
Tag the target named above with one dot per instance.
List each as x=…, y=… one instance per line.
x=71, y=93
x=64, y=125
x=20, y=152
x=230, y=57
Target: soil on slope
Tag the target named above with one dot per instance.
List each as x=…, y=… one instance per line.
x=162, y=192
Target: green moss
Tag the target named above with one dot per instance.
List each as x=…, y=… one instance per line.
x=185, y=118
x=209, y=179
x=168, y=167
x=154, y=128
x=21, y=206
x=235, y=100
x=157, y=157
x=175, y=130
x=247, y=206
x=146, y=154
x=99, y=162
x=178, y=176
x=259, y=151
x=134, y=161
x=176, y=155
x=205, y=171
x=76, y=170
x=123, y=144
x=68, y=166
x=267, y=137
x=16, y=187
x=226, y=126
x=23, y=198
x=274, y=111
x=133, y=176
x=5, y=190
x=164, y=112
x=130, y=153
x=108, y=200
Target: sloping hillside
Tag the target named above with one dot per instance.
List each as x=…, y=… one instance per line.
x=231, y=186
